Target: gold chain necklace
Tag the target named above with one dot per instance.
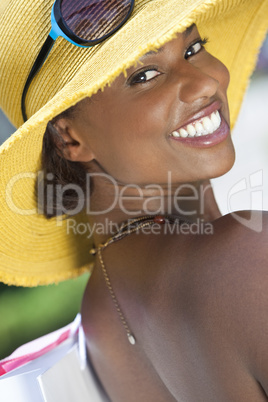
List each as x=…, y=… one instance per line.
x=126, y=229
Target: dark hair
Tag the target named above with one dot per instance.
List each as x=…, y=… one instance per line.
x=58, y=172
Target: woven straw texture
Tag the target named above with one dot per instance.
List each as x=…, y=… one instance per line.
x=35, y=251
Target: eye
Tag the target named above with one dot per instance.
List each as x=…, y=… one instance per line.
x=143, y=76
x=195, y=48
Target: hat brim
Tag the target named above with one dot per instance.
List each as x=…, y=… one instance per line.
x=34, y=250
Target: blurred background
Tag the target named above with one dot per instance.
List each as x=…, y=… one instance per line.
x=27, y=313
x=246, y=185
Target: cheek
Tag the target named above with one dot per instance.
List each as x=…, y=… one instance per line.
x=129, y=137
x=133, y=119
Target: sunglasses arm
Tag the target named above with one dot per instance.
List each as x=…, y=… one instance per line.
x=44, y=52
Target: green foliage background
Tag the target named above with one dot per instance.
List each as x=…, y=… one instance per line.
x=27, y=313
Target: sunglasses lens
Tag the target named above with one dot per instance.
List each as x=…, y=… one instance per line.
x=93, y=19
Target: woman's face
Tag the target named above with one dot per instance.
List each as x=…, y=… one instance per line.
x=170, y=114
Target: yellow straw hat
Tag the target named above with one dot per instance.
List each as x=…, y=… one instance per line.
x=34, y=250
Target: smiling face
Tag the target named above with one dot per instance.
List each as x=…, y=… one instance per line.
x=170, y=114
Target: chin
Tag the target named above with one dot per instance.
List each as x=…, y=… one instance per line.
x=222, y=161
x=223, y=168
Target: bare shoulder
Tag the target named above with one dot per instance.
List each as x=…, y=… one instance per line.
x=223, y=288
x=241, y=238
x=231, y=246
x=246, y=284
x=239, y=248
x=207, y=294
x=235, y=243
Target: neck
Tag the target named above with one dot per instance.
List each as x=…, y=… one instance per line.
x=111, y=205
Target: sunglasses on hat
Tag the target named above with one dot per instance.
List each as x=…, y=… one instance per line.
x=84, y=23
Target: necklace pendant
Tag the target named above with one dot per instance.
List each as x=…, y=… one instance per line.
x=159, y=219
x=131, y=339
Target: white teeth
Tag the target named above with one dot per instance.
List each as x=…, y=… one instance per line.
x=191, y=130
x=205, y=126
x=183, y=133
x=214, y=118
x=208, y=125
x=199, y=128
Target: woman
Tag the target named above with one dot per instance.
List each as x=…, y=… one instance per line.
x=138, y=156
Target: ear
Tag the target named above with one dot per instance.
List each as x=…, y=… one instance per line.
x=73, y=147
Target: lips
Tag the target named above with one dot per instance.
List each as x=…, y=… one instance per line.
x=205, y=129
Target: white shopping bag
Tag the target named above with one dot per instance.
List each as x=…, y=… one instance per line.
x=61, y=374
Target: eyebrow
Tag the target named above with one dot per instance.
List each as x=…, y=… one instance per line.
x=185, y=34
x=188, y=31
x=153, y=52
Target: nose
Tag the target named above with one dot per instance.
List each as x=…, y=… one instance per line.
x=196, y=84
